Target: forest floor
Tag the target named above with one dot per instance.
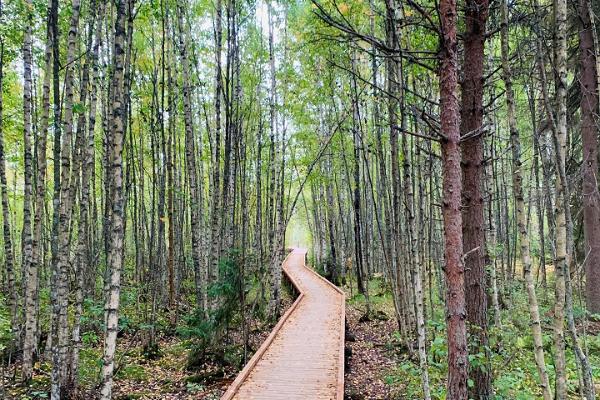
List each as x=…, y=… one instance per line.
x=373, y=347
x=165, y=376
x=380, y=367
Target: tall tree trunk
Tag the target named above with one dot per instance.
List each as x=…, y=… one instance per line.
x=56, y=130
x=170, y=156
x=393, y=83
x=451, y=204
x=356, y=198
x=275, y=267
x=171, y=216
x=491, y=195
x=32, y=282
x=382, y=181
x=8, y=248
x=215, y=209
x=591, y=195
x=471, y=128
x=534, y=311
x=190, y=158
x=259, y=207
x=589, y=134
x=560, y=140
x=86, y=159
x=332, y=256
x=170, y=165
x=26, y=235
x=540, y=200
x=415, y=262
x=60, y=345
x=115, y=256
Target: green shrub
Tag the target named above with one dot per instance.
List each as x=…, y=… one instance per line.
x=6, y=335
x=205, y=330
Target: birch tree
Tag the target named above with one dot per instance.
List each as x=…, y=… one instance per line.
x=6, y=230
x=561, y=263
x=60, y=273
x=32, y=276
x=517, y=177
x=115, y=256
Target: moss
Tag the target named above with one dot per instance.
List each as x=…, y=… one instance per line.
x=132, y=372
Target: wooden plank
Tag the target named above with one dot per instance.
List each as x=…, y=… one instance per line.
x=341, y=361
x=303, y=357
x=263, y=348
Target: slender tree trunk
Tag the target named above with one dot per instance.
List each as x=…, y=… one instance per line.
x=560, y=140
x=115, y=256
x=190, y=157
x=275, y=267
x=215, y=212
x=259, y=206
x=415, y=261
x=26, y=235
x=32, y=283
x=382, y=181
x=171, y=217
x=451, y=204
x=491, y=195
x=56, y=129
x=8, y=248
x=393, y=84
x=540, y=200
x=281, y=224
x=534, y=311
x=61, y=266
x=86, y=149
x=471, y=127
x=356, y=198
x=333, y=257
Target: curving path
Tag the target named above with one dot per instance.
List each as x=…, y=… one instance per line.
x=303, y=357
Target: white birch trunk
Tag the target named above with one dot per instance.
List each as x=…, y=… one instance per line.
x=115, y=256
x=521, y=212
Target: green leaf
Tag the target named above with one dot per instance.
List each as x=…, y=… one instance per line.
x=78, y=108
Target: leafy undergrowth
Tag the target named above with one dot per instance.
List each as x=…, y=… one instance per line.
x=167, y=377
x=373, y=351
x=164, y=376
x=381, y=368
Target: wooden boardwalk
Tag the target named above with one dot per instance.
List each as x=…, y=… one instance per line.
x=303, y=357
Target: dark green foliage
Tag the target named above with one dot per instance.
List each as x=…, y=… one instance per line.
x=205, y=330
x=6, y=335
x=328, y=269
x=151, y=351
x=227, y=290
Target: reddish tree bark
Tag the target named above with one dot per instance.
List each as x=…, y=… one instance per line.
x=589, y=133
x=452, y=187
x=476, y=14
